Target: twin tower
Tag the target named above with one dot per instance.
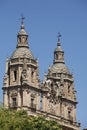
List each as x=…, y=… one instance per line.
x=54, y=97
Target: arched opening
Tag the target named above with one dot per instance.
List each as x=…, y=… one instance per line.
x=32, y=76
x=15, y=75
x=69, y=113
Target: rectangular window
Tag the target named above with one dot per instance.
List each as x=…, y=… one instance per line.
x=68, y=114
x=32, y=76
x=68, y=89
x=15, y=75
x=33, y=106
x=32, y=102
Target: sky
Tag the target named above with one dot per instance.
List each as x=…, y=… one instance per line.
x=43, y=20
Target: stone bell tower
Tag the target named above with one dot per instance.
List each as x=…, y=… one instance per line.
x=21, y=85
x=56, y=95
x=58, y=92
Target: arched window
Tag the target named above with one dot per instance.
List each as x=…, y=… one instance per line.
x=32, y=102
x=56, y=56
x=19, y=39
x=69, y=114
x=33, y=106
x=23, y=40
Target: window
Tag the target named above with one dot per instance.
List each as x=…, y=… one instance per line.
x=68, y=114
x=32, y=102
x=23, y=40
x=15, y=75
x=32, y=76
x=19, y=39
x=26, y=38
x=33, y=106
x=14, y=102
x=56, y=56
x=69, y=89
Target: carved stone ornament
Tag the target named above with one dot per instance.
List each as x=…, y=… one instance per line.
x=24, y=74
x=52, y=96
x=51, y=108
x=19, y=90
x=33, y=95
x=13, y=94
x=70, y=108
x=27, y=90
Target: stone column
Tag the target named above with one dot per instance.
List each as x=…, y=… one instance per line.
x=5, y=99
x=44, y=103
x=19, y=98
x=38, y=101
x=57, y=109
x=74, y=114
x=25, y=98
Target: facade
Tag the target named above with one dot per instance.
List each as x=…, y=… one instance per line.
x=54, y=97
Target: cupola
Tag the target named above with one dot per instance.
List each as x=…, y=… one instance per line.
x=58, y=52
x=22, y=37
x=22, y=44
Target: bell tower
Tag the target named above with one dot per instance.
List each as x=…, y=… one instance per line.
x=21, y=85
x=58, y=92
x=54, y=97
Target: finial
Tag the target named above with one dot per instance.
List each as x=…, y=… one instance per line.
x=22, y=21
x=59, y=35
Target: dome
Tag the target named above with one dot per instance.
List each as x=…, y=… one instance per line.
x=21, y=51
x=59, y=68
x=58, y=49
x=22, y=48
x=22, y=31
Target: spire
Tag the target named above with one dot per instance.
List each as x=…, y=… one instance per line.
x=22, y=22
x=22, y=36
x=59, y=35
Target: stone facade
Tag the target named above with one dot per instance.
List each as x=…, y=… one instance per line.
x=54, y=97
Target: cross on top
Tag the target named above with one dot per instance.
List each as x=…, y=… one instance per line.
x=22, y=19
x=59, y=35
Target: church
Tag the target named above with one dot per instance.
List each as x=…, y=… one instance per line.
x=54, y=97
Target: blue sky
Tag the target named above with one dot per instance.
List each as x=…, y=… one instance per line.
x=44, y=19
